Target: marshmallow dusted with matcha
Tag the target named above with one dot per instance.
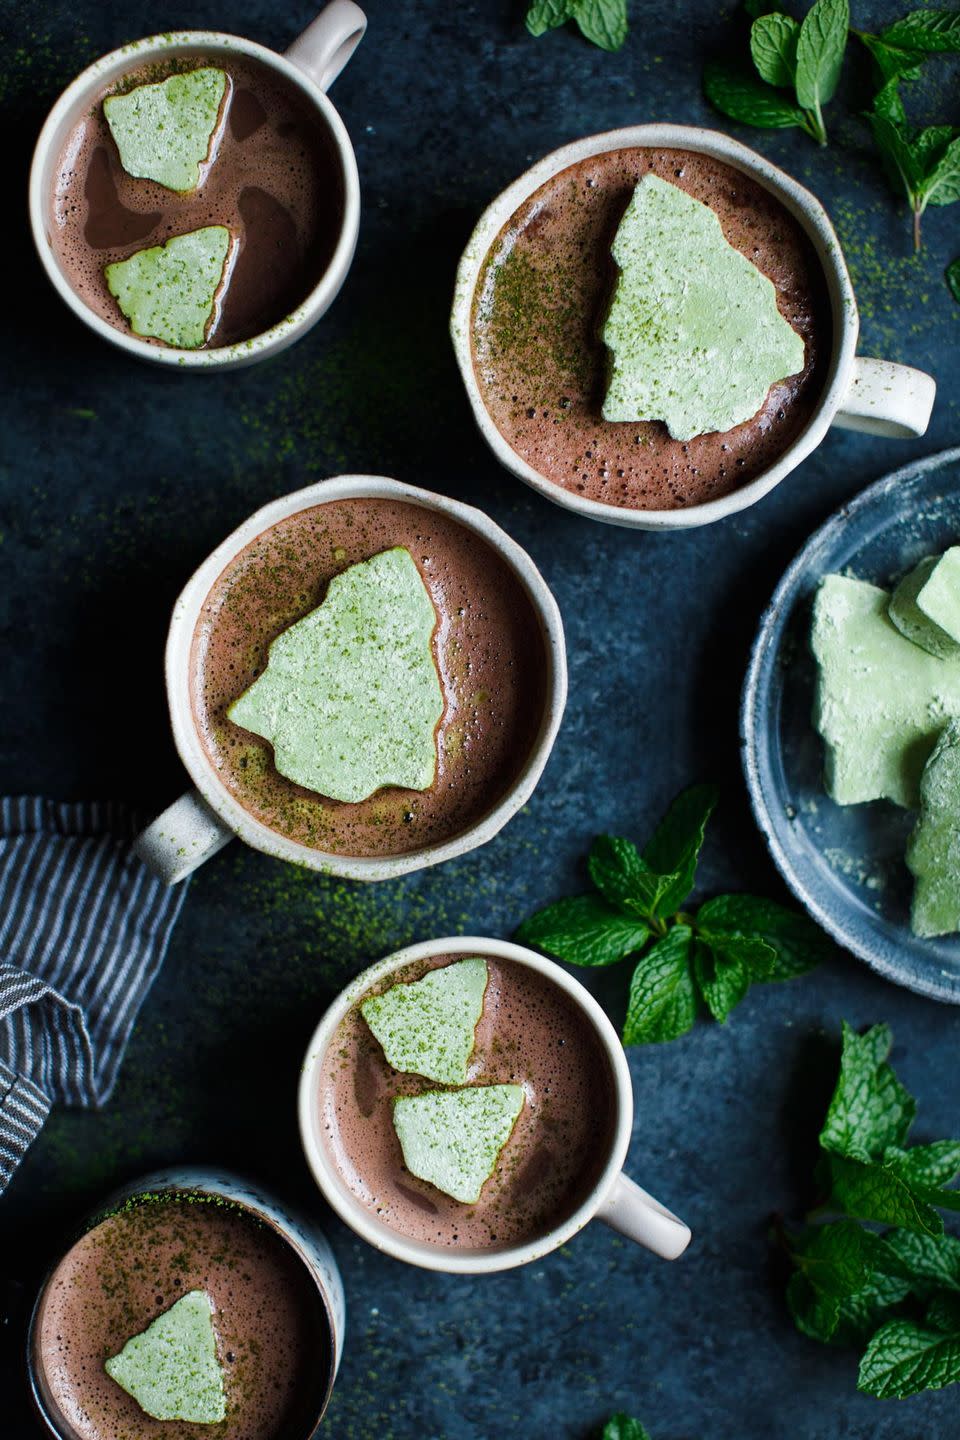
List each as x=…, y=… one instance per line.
x=925, y=607
x=881, y=701
x=694, y=330
x=171, y=1369
x=164, y=132
x=168, y=292
x=351, y=697
x=426, y=1027
x=933, y=854
x=453, y=1138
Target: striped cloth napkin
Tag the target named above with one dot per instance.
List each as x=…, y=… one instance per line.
x=84, y=927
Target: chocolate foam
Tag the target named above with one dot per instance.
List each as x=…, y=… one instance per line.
x=488, y=646
x=273, y=178
x=538, y=311
x=531, y=1034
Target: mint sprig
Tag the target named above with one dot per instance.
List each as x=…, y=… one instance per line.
x=922, y=164
x=896, y=1292
x=624, y=1427
x=603, y=22
x=684, y=963
x=803, y=58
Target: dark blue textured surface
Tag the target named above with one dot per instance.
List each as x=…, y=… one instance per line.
x=117, y=480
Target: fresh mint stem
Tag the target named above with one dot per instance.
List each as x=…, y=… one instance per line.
x=815, y=126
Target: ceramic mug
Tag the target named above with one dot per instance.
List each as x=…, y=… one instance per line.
x=875, y=396
x=309, y=66
x=203, y=820
x=301, y=1235
x=614, y=1198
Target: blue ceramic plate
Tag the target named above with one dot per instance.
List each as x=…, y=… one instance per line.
x=845, y=863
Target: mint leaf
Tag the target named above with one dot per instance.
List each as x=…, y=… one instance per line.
x=725, y=966
x=926, y=1166
x=870, y=1109
x=744, y=98
x=933, y=1261
x=832, y=1257
x=624, y=1427
x=941, y=182
x=676, y=844
x=584, y=930
x=930, y=31
x=798, y=944
x=820, y=47
x=663, y=1000
x=953, y=278
x=814, y=1313
x=925, y=164
x=773, y=45
x=544, y=15
x=904, y=1358
x=859, y=1315
x=868, y=1191
x=604, y=22
x=892, y=62
x=846, y=1279
x=624, y=879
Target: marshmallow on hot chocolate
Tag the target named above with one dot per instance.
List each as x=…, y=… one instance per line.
x=163, y=132
x=694, y=328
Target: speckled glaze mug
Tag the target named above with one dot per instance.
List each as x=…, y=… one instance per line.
x=203, y=820
x=301, y=1236
x=309, y=66
x=874, y=396
x=614, y=1198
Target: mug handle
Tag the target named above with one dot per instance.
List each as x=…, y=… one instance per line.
x=887, y=399
x=328, y=42
x=638, y=1216
x=177, y=843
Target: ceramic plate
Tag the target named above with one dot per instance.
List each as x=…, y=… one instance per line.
x=845, y=863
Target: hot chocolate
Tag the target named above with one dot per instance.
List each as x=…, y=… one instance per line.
x=488, y=647
x=272, y=1337
x=273, y=179
x=540, y=303
x=530, y=1034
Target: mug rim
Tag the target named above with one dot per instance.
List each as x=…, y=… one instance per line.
x=796, y=199
x=304, y=315
x=239, y=1191
x=449, y=1260
x=246, y=826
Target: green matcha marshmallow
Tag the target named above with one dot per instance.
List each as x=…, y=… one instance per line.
x=426, y=1027
x=881, y=700
x=694, y=330
x=925, y=606
x=351, y=698
x=163, y=131
x=171, y=1369
x=453, y=1138
x=168, y=292
x=933, y=854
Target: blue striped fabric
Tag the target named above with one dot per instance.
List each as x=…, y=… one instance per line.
x=84, y=927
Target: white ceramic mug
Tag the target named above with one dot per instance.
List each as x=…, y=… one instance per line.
x=310, y=66
x=302, y=1237
x=203, y=820
x=614, y=1197
x=859, y=394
